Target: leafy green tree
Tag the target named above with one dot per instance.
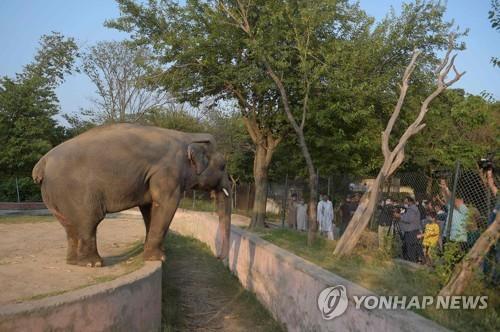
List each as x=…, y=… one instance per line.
x=28, y=104
x=228, y=129
x=494, y=17
x=350, y=110
x=175, y=117
x=233, y=141
x=460, y=127
x=205, y=56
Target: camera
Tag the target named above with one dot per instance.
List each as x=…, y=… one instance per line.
x=485, y=164
x=401, y=208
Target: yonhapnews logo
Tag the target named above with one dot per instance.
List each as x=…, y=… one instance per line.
x=333, y=302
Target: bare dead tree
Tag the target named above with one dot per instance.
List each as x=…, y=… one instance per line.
x=120, y=75
x=464, y=271
x=395, y=157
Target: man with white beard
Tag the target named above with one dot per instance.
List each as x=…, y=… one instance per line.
x=325, y=216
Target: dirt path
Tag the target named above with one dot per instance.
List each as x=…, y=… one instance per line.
x=200, y=294
x=33, y=256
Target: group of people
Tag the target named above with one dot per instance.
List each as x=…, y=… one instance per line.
x=325, y=215
x=423, y=226
x=297, y=214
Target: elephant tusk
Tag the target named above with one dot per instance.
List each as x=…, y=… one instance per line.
x=225, y=192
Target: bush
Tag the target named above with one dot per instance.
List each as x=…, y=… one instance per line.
x=28, y=190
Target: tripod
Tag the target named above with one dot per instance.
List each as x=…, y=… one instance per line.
x=395, y=228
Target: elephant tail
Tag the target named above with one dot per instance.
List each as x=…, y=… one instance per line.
x=39, y=170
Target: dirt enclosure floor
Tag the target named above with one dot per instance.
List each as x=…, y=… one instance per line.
x=33, y=254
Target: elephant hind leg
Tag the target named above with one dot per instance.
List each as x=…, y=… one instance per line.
x=81, y=228
x=146, y=215
x=87, y=244
x=72, y=237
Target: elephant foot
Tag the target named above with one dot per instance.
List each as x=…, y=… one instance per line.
x=154, y=255
x=94, y=261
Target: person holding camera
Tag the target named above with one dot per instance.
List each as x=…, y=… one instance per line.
x=410, y=226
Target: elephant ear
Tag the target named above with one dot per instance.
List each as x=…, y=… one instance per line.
x=197, y=156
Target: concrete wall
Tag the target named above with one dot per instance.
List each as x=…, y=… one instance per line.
x=129, y=303
x=22, y=206
x=289, y=285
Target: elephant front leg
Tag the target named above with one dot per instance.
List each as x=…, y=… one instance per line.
x=162, y=212
x=72, y=253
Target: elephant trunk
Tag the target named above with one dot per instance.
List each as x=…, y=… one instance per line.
x=224, y=210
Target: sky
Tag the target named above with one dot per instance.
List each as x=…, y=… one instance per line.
x=22, y=22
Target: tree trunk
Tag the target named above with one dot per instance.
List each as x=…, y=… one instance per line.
x=360, y=219
x=313, y=199
x=464, y=271
x=260, y=176
x=265, y=145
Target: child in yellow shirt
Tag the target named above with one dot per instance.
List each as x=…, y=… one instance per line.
x=431, y=239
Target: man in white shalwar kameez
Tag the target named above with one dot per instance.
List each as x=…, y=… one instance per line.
x=302, y=216
x=325, y=216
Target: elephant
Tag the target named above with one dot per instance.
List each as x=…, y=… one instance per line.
x=117, y=167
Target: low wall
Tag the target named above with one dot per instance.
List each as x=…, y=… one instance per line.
x=289, y=285
x=129, y=303
x=22, y=206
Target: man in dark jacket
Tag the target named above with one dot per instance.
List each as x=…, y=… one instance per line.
x=410, y=227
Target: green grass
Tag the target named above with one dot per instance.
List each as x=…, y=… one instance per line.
x=199, y=205
x=191, y=267
x=206, y=206
x=377, y=272
x=25, y=219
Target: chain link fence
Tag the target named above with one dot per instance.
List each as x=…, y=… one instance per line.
x=432, y=219
x=436, y=219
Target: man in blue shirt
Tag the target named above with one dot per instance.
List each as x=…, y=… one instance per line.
x=410, y=227
x=458, y=227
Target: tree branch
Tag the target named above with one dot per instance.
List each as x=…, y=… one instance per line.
x=397, y=109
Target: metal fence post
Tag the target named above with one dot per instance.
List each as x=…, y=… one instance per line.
x=328, y=190
x=285, y=196
x=452, y=200
x=17, y=191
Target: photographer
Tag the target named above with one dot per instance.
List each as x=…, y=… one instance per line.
x=410, y=227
